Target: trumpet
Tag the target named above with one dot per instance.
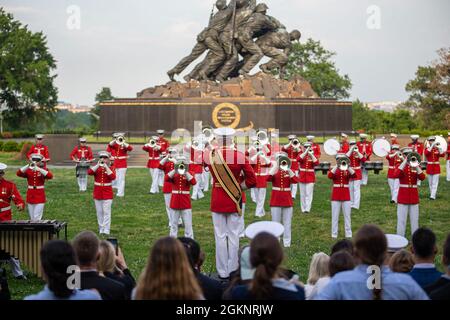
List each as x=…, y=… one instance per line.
x=257, y=144
x=262, y=137
x=152, y=143
x=33, y=165
x=181, y=168
x=208, y=133
x=284, y=163
x=120, y=140
x=295, y=143
x=414, y=159
x=343, y=163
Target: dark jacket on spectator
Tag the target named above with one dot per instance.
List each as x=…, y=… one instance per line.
x=425, y=276
x=440, y=290
x=126, y=279
x=109, y=289
x=212, y=289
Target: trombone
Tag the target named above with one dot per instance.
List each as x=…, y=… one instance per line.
x=343, y=163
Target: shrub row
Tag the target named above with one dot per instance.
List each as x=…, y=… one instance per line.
x=13, y=146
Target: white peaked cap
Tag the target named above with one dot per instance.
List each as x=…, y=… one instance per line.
x=395, y=146
x=225, y=132
x=83, y=140
x=431, y=138
x=36, y=156
x=310, y=137
x=3, y=166
x=274, y=228
x=396, y=242
x=344, y=135
x=118, y=134
x=415, y=136
x=393, y=135
x=352, y=141
x=160, y=131
x=292, y=136
x=363, y=135
x=104, y=154
x=39, y=136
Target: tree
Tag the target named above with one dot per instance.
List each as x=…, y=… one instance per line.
x=314, y=63
x=105, y=94
x=26, y=74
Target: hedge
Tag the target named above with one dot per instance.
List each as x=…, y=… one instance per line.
x=13, y=146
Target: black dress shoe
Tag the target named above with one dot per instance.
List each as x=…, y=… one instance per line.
x=22, y=277
x=392, y=201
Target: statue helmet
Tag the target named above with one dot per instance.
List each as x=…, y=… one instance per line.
x=261, y=8
x=221, y=4
x=295, y=35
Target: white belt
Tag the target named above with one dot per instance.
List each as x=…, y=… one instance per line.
x=391, y=167
x=36, y=187
x=153, y=158
x=180, y=192
x=120, y=158
x=102, y=184
x=340, y=185
x=408, y=186
x=281, y=189
x=307, y=170
x=5, y=209
x=261, y=174
x=433, y=163
x=293, y=160
x=356, y=168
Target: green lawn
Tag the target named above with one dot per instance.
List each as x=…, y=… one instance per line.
x=139, y=219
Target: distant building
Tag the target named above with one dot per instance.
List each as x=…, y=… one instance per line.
x=72, y=108
x=386, y=106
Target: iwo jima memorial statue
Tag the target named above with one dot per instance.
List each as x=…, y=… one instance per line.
x=219, y=91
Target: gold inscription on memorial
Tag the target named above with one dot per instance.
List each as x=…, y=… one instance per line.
x=226, y=115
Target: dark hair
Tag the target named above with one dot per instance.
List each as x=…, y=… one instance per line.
x=340, y=261
x=56, y=257
x=345, y=245
x=192, y=250
x=371, y=248
x=266, y=255
x=446, y=251
x=424, y=242
x=86, y=245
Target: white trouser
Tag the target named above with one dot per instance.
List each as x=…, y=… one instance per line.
x=82, y=183
x=103, y=208
x=167, y=197
x=252, y=194
x=355, y=193
x=15, y=266
x=365, y=177
x=294, y=187
x=120, y=180
x=433, y=181
x=283, y=215
x=197, y=192
x=154, y=173
x=260, y=197
x=394, y=185
x=36, y=211
x=186, y=215
x=227, y=227
x=205, y=180
x=242, y=227
x=306, y=196
x=160, y=178
x=336, y=207
x=448, y=170
x=402, y=215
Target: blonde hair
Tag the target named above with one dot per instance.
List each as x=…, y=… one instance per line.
x=401, y=261
x=318, y=267
x=107, y=258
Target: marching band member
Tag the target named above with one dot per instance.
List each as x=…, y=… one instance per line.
x=293, y=149
x=260, y=161
x=39, y=148
x=167, y=164
x=274, y=145
x=180, y=202
x=163, y=145
x=82, y=156
x=344, y=143
x=356, y=160
x=119, y=148
x=395, y=158
x=307, y=177
x=154, y=157
x=448, y=157
x=103, y=194
x=365, y=148
x=9, y=193
x=253, y=140
x=394, y=140
x=314, y=146
x=36, y=176
x=408, y=194
x=226, y=166
x=433, y=155
x=418, y=147
x=281, y=204
x=340, y=198
x=195, y=150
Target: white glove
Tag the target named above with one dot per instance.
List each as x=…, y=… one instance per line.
x=94, y=168
x=164, y=160
x=349, y=153
x=108, y=169
x=351, y=171
x=126, y=145
x=171, y=174
x=274, y=169
x=291, y=173
x=41, y=170
x=419, y=170
x=189, y=176
x=112, y=142
x=24, y=168
x=403, y=164
x=313, y=157
x=333, y=170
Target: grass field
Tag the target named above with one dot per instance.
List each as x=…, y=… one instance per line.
x=139, y=219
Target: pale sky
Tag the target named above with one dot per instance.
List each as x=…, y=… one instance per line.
x=129, y=45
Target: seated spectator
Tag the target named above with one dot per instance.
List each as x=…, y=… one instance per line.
x=424, y=250
x=212, y=289
x=402, y=261
x=114, y=267
x=168, y=274
x=266, y=256
x=440, y=290
x=86, y=245
x=319, y=275
x=56, y=258
x=346, y=245
x=243, y=275
x=339, y=262
x=370, y=251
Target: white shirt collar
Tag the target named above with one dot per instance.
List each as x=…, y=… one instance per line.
x=424, y=265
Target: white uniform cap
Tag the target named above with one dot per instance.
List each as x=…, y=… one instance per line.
x=3, y=166
x=247, y=271
x=448, y=134
x=118, y=134
x=225, y=132
x=310, y=137
x=274, y=228
x=83, y=140
x=395, y=146
x=172, y=150
x=432, y=138
x=181, y=158
x=39, y=136
x=393, y=135
x=415, y=136
x=363, y=136
x=292, y=137
x=160, y=131
x=344, y=135
x=36, y=157
x=407, y=150
x=396, y=242
x=253, y=138
x=104, y=154
x=307, y=144
x=154, y=138
x=341, y=155
x=352, y=142
x=275, y=135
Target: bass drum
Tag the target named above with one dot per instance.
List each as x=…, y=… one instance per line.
x=331, y=147
x=381, y=148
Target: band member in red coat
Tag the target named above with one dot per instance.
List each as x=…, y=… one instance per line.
x=365, y=148
x=293, y=149
x=395, y=158
x=340, y=197
x=344, y=143
x=433, y=155
x=104, y=175
x=226, y=166
x=82, y=156
x=356, y=161
x=307, y=177
x=195, y=150
x=154, y=158
x=416, y=145
x=119, y=149
x=259, y=156
x=281, y=204
x=167, y=164
x=36, y=176
x=408, y=193
x=9, y=193
x=315, y=147
x=394, y=139
x=448, y=157
x=40, y=148
x=180, y=202
x=163, y=145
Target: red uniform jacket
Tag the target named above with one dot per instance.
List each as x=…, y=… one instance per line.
x=394, y=141
x=261, y=169
x=417, y=147
x=281, y=189
x=39, y=149
x=433, y=157
x=36, y=182
x=167, y=167
x=274, y=148
x=153, y=157
x=238, y=163
x=355, y=163
x=345, y=146
x=448, y=150
x=81, y=152
x=341, y=179
x=293, y=155
x=394, y=162
x=103, y=183
x=316, y=148
x=8, y=193
x=365, y=148
x=307, y=172
x=196, y=161
x=181, y=198
x=408, y=192
x=119, y=154
x=164, y=144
